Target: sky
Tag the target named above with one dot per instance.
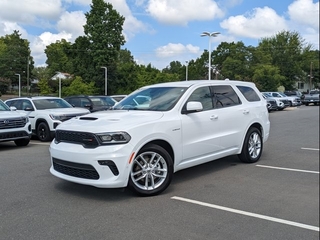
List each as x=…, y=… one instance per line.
x=158, y=32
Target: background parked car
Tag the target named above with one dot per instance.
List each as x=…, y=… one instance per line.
x=312, y=97
x=45, y=113
x=14, y=126
x=288, y=101
x=293, y=93
x=92, y=103
x=280, y=104
x=118, y=98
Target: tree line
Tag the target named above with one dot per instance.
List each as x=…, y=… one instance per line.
x=279, y=60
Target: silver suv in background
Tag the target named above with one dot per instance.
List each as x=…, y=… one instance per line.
x=292, y=101
x=14, y=126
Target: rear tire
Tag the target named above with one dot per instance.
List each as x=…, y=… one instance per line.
x=151, y=171
x=43, y=132
x=252, y=146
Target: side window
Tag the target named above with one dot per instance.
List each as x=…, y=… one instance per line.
x=26, y=104
x=225, y=96
x=15, y=103
x=203, y=95
x=249, y=93
x=74, y=102
x=85, y=102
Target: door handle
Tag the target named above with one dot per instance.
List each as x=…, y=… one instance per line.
x=245, y=112
x=213, y=117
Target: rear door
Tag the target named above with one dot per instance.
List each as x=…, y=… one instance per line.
x=233, y=116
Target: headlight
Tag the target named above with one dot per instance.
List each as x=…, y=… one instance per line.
x=114, y=137
x=56, y=117
x=25, y=119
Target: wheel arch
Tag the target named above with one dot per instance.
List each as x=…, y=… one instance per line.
x=256, y=125
x=162, y=143
x=41, y=120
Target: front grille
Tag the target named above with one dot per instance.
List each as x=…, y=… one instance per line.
x=13, y=135
x=88, y=140
x=75, y=169
x=12, y=123
x=286, y=102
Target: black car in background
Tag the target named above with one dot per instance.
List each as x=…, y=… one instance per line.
x=92, y=103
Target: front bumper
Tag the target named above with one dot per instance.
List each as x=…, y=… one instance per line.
x=103, y=167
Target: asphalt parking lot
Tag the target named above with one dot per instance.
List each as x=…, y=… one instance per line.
x=275, y=198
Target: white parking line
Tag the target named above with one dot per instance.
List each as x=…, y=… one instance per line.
x=311, y=149
x=287, y=169
x=272, y=219
x=40, y=143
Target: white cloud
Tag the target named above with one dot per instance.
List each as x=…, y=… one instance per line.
x=9, y=27
x=176, y=49
x=180, y=12
x=29, y=11
x=262, y=22
x=131, y=25
x=72, y=22
x=38, y=44
x=305, y=12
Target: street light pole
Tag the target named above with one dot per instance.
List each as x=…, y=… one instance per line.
x=213, y=34
x=310, y=76
x=19, y=83
x=105, y=80
x=187, y=63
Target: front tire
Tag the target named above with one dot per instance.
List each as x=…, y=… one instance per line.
x=252, y=146
x=22, y=142
x=43, y=132
x=151, y=171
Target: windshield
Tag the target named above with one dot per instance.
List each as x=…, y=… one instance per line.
x=4, y=107
x=267, y=95
x=51, y=103
x=152, y=99
x=314, y=92
x=102, y=101
x=282, y=94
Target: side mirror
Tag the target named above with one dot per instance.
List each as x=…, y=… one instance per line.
x=29, y=109
x=13, y=108
x=193, y=106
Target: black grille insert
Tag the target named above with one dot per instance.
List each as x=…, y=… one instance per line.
x=12, y=123
x=75, y=169
x=88, y=140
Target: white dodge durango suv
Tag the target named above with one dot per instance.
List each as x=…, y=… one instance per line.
x=182, y=124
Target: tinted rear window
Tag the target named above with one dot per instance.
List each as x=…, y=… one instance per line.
x=249, y=93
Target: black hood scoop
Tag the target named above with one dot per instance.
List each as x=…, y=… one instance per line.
x=88, y=118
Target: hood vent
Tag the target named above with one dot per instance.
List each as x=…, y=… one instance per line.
x=88, y=118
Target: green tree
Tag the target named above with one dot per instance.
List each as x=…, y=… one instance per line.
x=286, y=49
x=267, y=77
x=44, y=87
x=57, y=57
x=78, y=86
x=15, y=58
x=232, y=60
x=103, y=29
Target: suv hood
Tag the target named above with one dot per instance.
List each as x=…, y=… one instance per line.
x=66, y=111
x=113, y=120
x=11, y=114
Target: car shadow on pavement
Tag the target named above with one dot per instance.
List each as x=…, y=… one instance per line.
x=185, y=177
